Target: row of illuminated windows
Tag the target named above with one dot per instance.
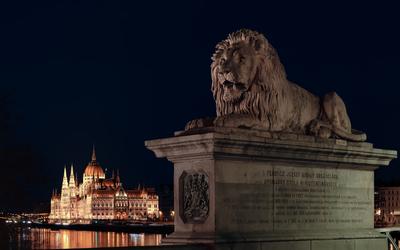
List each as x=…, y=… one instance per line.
x=123, y=204
x=98, y=214
x=392, y=198
x=391, y=204
x=110, y=214
x=102, y=205
x=393, y=192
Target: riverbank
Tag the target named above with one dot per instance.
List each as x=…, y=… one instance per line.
x=156, y=228
x=16, y=236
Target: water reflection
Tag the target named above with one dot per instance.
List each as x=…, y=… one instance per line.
x=40, y=238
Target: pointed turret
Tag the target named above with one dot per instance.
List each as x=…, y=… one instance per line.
x=72, y=184
x=71, y=177
x=117, y=181
x=65, y=179
x=65, y=196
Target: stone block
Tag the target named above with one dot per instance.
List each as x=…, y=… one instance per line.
x=286, y=245
x=239, y=246
x=333, y=245
x=371, y=244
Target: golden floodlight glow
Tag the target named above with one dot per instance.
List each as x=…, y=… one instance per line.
x=99, y=198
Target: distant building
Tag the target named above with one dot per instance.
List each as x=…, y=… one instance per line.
x=387, y=206
x=98, y=198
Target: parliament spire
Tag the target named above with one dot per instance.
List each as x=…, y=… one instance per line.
x=94, y=154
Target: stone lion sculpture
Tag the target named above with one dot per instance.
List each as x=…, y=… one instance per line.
x=251, y=90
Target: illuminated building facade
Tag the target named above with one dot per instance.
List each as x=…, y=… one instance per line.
x=387, y=206
x=99, y=198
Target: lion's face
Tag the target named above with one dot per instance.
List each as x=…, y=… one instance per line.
x=246, y=75
x=236, y=71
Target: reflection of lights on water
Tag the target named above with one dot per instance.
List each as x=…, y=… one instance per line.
x=123, y=238
x=134, y=236
x=96, y=240
x=66, y=240
x=110, y=244
x=138, y=239
x=36, y=238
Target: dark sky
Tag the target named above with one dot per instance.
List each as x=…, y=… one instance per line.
x=115, y=73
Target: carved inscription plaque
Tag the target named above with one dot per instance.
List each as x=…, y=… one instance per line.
x=317, y=198
x=194, y=202
x=273, y=198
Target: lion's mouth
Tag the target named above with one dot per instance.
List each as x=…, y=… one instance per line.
x=234, y=85
x=233, y=91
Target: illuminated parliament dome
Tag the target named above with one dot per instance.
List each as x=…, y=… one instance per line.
x=94, y=168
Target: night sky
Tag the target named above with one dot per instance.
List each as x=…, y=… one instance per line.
x=116, y=73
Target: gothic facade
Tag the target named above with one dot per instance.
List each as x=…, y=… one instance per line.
x=99, y=198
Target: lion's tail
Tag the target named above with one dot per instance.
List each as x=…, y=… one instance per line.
x=355, y=135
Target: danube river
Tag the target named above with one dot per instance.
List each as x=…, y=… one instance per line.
x=43, y=238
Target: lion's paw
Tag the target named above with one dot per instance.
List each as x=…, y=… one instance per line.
x=199, y=123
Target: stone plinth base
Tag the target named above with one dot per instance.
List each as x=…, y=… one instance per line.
x=309, y=236
x=336, y=244
x=252, y=187
x=329, y=244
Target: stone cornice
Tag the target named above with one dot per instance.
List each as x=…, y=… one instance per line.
x=265, y=146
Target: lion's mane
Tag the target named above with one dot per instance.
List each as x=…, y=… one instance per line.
x=264, y=96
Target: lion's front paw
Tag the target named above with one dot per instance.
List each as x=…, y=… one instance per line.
x=199, y=123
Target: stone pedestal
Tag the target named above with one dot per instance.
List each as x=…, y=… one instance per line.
x=274, y=191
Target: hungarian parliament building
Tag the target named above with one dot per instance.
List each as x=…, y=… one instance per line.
x=99, y=198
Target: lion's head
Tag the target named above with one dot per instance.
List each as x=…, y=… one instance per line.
x=245, y=68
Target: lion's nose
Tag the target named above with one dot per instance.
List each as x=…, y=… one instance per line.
x=225, y=70
x=229, y=76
